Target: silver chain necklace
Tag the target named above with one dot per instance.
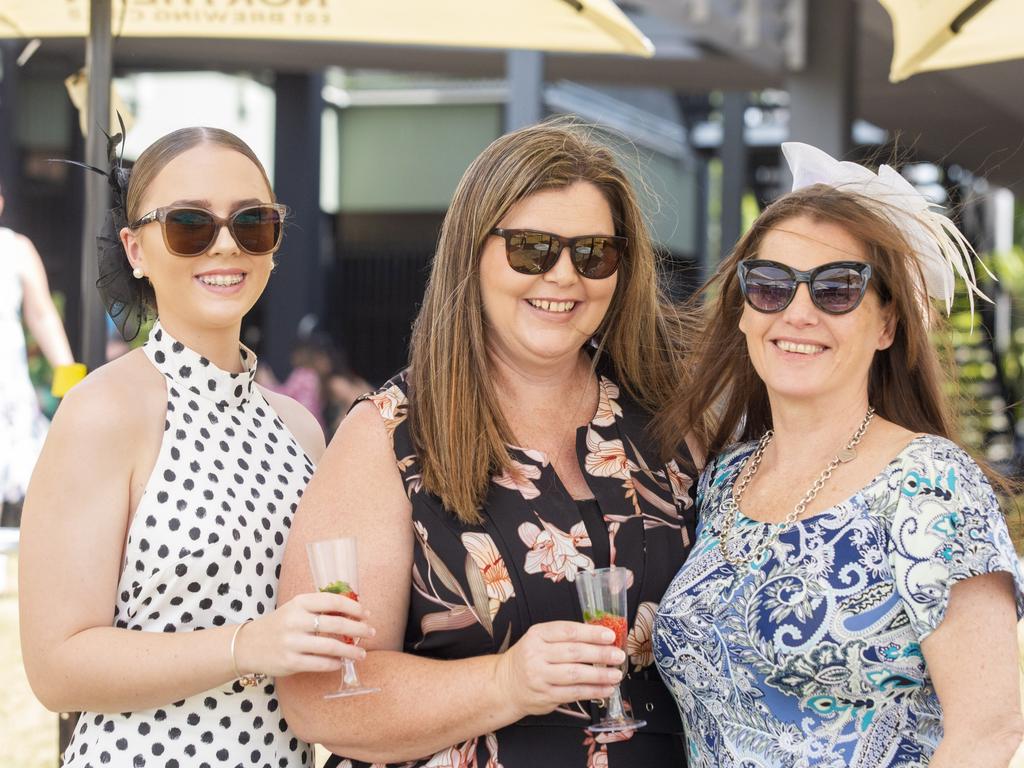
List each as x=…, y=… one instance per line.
x=730, y=553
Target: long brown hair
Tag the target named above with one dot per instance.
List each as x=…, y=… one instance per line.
x=455, y=418
x=725, y=398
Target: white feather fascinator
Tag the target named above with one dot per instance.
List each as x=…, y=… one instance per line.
x=941, y=249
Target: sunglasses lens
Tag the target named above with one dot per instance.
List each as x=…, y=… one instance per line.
x=768, y=288
x=189, y=231
x=597, y=257
x=529, y=253
x=838, y=289
x=257, y=230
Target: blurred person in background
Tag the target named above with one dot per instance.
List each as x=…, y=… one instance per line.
x=157, y=516
x=24, y=294
x=321, y=378
x=511, y=455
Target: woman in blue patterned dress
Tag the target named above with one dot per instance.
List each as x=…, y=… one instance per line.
x=852, y=595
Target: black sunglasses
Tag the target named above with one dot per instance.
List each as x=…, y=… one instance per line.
x=190, y=231
x=531, y=252
x=836, y=287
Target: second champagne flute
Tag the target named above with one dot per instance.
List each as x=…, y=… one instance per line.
x=602, y=595
x=335, y=569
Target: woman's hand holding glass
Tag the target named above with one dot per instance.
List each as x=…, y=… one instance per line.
x=303, y=635
x=557, y=663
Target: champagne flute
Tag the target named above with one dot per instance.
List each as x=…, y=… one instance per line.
x=602, y=594
x=335, y=569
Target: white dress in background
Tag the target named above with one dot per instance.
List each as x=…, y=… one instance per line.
x=22, y=425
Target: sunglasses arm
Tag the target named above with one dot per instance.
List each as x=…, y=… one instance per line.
x=151, y=216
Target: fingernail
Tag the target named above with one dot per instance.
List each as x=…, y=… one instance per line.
x=372, y=631
x=362, y=653
x=618, y=657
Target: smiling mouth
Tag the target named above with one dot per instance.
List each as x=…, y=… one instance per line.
x=221, y=281
x=552, y=306
x=799, y=349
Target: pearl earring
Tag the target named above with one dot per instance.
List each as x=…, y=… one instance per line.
x=138, y=274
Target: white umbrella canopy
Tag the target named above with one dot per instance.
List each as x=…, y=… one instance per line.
x=944, y=34
x=584, y=26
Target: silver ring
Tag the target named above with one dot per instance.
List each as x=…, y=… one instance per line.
x=316, y=624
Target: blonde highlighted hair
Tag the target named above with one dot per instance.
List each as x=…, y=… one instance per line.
x=455, y=415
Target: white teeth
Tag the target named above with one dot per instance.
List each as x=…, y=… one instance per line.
x=552, y=306
x=221, y=279
x=802, y=349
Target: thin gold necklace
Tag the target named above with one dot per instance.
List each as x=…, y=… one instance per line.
x=730, y=553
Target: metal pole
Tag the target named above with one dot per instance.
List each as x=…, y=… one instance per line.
x=734, y=168
x=98, y=60
x=524, y=71
x=821, y=96
x=98, y=63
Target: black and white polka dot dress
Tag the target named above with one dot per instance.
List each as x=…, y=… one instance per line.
x=204, y=550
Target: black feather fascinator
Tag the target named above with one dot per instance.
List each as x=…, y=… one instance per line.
x=127, y=299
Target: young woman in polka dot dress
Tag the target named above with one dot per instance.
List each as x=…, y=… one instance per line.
x=158, y=513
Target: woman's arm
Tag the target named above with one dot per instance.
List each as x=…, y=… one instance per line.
x=72, y=539
x=40, y=314
x=358, y=491
x=972, y=658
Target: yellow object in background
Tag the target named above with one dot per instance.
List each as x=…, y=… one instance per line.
x=65, y=377
x=581, y=26
x=946, y=34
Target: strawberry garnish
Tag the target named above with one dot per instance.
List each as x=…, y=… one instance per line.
x=341, y=588
x=616, y=624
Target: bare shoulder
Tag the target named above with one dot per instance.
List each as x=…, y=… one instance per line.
x=25, y=254
x=361, y=455
x=363, y=430
x=24, y=243
x=300, y=422
x=108, y=428
x=893, y=438
x=124, y=397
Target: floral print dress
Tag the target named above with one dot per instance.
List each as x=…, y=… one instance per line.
x=811, y=655
x=476, y=589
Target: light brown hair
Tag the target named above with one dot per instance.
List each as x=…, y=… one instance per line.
x=455, y=417
x=726, y=399
x=158, y=154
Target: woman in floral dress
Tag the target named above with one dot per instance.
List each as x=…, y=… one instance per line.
x=864, y=616
x=511, y=455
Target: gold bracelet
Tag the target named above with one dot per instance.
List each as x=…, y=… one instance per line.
x=250, y=680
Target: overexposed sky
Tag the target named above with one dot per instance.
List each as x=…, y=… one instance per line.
x=163, y=102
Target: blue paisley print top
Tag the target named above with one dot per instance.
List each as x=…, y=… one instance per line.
x=811, y=656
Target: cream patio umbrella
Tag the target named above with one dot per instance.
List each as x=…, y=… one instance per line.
x=584, y=26
x=944, y=34
x=579, y=26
